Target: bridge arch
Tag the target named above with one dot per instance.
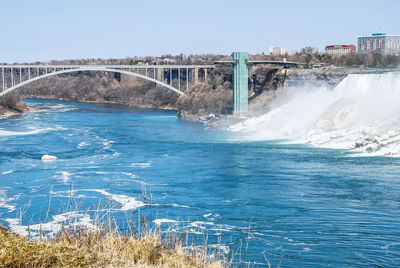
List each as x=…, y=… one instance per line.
x=93, y=69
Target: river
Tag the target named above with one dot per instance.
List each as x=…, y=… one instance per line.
x=314, y=207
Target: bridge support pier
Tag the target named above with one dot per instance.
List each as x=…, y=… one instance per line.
x=240, y=83
x=159, y=75
x=196, y=76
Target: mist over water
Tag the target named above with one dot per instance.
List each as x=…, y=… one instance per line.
x=362, y=113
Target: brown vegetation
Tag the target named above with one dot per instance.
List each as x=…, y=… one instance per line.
x=100, y=248
x=212, y=96
x=12, y=103
x=100, y=87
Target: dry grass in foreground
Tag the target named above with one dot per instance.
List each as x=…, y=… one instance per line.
x=100, y=248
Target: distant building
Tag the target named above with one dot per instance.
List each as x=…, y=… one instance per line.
x=168, y=61
x=338, y=50
x=309, y=50
x=277, y=51
x=161, y=60
x=380, y=42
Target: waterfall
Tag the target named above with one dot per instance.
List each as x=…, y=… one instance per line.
x=362, y=113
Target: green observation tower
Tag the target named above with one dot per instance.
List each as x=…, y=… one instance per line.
x=240, y=82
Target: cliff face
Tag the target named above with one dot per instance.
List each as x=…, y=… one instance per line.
x=313, y=77
x=275, y=83
x=213, y=96
x=265, y=84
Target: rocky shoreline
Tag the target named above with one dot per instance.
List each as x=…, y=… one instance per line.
x=12, y=104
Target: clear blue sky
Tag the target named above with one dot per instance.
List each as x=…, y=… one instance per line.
x=40, y=30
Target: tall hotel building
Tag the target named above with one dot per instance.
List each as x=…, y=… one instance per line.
x=380, y=42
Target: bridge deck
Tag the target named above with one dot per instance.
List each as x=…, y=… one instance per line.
x=227, y=62
x=111, y=66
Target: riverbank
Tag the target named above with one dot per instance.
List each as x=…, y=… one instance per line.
x=98, y=248
x=12, y=104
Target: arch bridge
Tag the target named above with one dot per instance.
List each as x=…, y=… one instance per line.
x=173, y=77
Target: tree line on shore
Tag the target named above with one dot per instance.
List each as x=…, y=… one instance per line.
x=355, y=60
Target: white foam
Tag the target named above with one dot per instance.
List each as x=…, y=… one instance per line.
x=141, y=165
x=33, y=130
x=20, y=133
x=69, y=194
x=127, y=202
x=361, y=114
x=83, y=144
x=60, y=108
x=179, y=206
x=158, y=222
x=107, y=144
x=201, y=224
x=15, y=226
x=5, y=200
x=102, y=172
x=7, y=172
x=64, y=177
x=223, y=248
x=51, y=228
x=129, y=174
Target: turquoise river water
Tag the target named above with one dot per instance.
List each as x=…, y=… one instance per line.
x=315, y=207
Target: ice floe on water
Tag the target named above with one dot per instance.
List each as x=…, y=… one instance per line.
x=5, y=200
x=362, y=114
x=126, y=202
x=69, y=194
x=51, y=228
x=69, y=219
x=47, y=157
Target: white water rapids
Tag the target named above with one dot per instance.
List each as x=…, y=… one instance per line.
x=362, y=113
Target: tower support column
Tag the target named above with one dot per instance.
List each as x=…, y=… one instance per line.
x=240, y=82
